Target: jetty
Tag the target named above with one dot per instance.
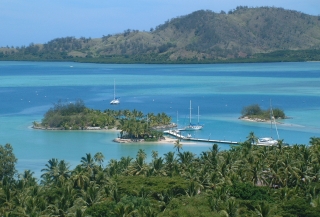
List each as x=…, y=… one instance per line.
x=177, y=134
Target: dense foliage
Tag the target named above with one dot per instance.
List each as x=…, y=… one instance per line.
x=7, y=162
x=76, y=116
x=246, y=180
x=263, y=34
x=254, y=111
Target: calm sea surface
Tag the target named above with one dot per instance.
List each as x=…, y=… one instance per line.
x=29, y=89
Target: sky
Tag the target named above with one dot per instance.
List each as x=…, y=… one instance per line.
x=38, y=21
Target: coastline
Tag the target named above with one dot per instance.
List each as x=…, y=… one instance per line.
x=86, y=129
x=257, y=120
x=164, y=140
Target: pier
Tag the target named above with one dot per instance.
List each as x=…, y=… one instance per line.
x=177, y=134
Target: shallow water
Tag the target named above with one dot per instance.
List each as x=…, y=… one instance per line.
x=29, y=89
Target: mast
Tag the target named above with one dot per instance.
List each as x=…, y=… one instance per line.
x=114, y=89
x=198, y=115
x=177, y=119
x=272, y=118
x=190, y=113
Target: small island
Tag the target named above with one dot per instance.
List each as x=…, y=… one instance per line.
x=255, y=113
x=133, y=125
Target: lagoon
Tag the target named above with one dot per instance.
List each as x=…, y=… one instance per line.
x=29, y=89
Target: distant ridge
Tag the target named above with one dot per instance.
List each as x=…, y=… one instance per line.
x=241, y=35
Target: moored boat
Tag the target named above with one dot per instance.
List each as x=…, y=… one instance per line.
x=193, y=126
x=267, y=141
x=115, y=100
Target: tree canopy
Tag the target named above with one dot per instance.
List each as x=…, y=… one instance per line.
x=246, y=180
x=7, y=162
x=76, y=116
x=254, y=111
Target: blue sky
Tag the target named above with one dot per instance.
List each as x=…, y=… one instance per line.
x=39, y=21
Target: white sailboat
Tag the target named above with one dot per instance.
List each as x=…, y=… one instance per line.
x=115, y=100
x=193, y=126
x=269, y=141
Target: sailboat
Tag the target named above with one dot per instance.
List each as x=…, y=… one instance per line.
x=115, y=100
x=269, y=141
x=193, y=126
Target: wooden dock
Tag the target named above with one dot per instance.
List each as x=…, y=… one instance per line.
x=177, y=134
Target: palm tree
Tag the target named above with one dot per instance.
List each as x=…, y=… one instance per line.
x=35, y=124
x=289, y=171
x=134, y=114
x=252, y=138
x=98, y=157
x=34, y=206
x=178, y=145
x=63, y=171
x=140, y=115
x=186, y=158
x=315, y=202
x=263, y=209
x=139, y=167
x=6, y=200
x=50, y=169
x=92, y=195
x=214, y=180
x=210, y=158
x=116, y=195
x=88, y=163
x=170, y=163
x=314, y=141
x=157, y=167
x=124, y=210
x=193, y=189
x=80, y=177
x=232, y=207
x=124, y=164
x=154, y=155
x=55, y=171
x=142, y=154
x=147, y=211
x=127, y=114
x=27, y=177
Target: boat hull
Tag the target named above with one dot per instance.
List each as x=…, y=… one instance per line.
x=267, y=142
x=115, y=102
x=193, y=127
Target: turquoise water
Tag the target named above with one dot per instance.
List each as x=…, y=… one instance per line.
x=29, y=89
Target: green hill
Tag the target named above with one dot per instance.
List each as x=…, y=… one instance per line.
x=241, y=35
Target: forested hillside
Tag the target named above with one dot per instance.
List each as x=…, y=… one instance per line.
x=241, y=35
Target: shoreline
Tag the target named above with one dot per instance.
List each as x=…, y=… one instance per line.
x=98, y=128
x=86, y=129
x=165, y=140
x=257, y=120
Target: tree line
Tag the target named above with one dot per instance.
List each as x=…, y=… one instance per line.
x=255, y=111
x=246, y=180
